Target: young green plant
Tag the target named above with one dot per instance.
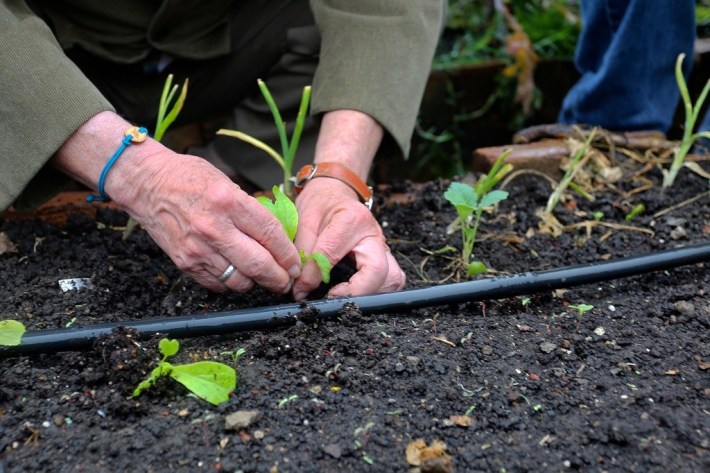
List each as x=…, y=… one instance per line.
x=288, y=147
x=692, y=113
x=470, y=202
x=209, y=380
x=163, y=122
x=11, y=332
x=581, y=309
x=283, y=208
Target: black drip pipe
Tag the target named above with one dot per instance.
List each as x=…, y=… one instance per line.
x=76, y=338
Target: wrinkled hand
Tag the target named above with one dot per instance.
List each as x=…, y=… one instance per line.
x=205, y=222
x=334, y=222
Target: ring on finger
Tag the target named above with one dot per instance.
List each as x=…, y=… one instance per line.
x=227, y=273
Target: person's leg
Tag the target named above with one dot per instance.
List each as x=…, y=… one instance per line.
x=626, y=55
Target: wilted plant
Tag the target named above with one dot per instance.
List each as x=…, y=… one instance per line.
x=692, y=113
x=470, y=202
x=574, y=166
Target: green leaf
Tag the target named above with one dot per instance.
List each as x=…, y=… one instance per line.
x=209, y=380
x=284, y=210
x=492, y=198
x=475, y=268
x=168, y=347
x=11, y=332
x=463, y=197
x=324, y=266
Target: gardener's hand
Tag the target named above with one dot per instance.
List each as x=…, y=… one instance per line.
x=198, y=216
x=333, y=221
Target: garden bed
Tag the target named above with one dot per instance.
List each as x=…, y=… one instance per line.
x=519, y=384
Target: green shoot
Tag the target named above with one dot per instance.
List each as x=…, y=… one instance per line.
x=635, y=212
x=581, y=309
x=574, y=166
x=235, y=355
x=165, y=118
x=163, y=122
x=598, y=215
x=286, y=400
x=209, y=380
x=283, y=208
x=692, y=113
x=470, y=202
x=11, y=332
x=288, y=148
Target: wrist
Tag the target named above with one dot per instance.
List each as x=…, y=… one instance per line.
x=86, y=152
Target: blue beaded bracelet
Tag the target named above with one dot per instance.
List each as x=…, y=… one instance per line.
x=132, y=135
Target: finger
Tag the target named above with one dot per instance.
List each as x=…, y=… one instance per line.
x=260, y=225
x=347, y=227
x=377, y=271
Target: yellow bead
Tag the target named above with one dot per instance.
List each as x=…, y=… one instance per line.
x=137, y=135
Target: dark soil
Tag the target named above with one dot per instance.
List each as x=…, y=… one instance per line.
x=624, y=388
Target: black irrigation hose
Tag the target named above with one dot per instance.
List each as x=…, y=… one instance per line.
x=75, y=338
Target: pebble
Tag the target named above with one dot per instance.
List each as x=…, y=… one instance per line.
x=599, y=331
x=334, y=450
x=241, y=420
x=259, y=434
x=547, y=347
x=58, y=420
x=684, y=307
x=487, y=349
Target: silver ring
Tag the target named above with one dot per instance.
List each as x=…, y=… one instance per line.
x=227, y=273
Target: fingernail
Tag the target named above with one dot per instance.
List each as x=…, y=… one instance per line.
x=288, y=288
x=295, y=271
x=300, y=296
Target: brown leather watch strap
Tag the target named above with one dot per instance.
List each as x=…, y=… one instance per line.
x=336, y=171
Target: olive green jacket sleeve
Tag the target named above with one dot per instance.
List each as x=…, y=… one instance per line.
x=44, y=98
x=375, y=57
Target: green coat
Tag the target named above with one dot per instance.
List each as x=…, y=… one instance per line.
x=375, y=57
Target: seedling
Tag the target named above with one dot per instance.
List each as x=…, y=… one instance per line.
x=286, y=400
x=470, y=202
x=283, y=208
x=163, y=122
x=288, y=147
x=635, y=212
x=575, y=165
x=11, y=332
x=209, y=380
x=581, y=309
x=235, y=355
x=691, y=117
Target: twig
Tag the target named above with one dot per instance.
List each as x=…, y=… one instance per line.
x=681, y=204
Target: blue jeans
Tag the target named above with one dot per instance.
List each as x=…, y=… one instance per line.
x=626, y=55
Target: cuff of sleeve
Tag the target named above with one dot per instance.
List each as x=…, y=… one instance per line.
x=45, y=99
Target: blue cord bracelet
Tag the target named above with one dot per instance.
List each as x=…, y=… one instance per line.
x=132, y=135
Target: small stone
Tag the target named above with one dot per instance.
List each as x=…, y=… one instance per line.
x=547, y=347
x=677, y=233
x=259, y=435
x=684, y=307
x=599, y=331
x=58, y=420
x=241, y=419
x=487, y=349
x=334, y=450
x=399, y=368
x=413, y=360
